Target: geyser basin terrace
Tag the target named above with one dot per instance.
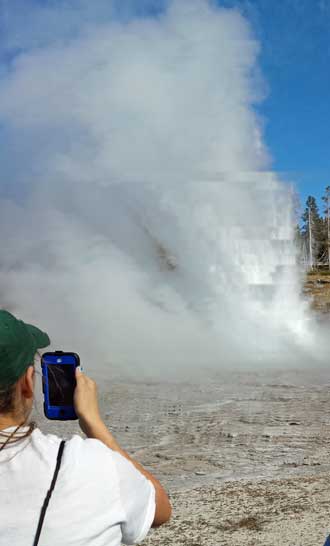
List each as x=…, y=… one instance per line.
x=244, y=455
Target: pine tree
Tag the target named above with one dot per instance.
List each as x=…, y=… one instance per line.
x=313, y=232
x=298, y=236
x=326, y=199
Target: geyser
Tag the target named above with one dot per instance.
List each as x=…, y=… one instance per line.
x=140, y=224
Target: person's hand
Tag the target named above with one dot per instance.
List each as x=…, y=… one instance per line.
x=85, y=401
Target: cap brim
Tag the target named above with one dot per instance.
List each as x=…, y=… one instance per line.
x=41, y=338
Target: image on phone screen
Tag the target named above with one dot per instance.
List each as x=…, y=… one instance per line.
x=61, y=382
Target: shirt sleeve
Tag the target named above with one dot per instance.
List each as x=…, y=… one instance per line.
x=138, y=501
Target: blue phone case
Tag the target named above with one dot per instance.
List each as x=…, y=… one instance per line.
x=54, y=410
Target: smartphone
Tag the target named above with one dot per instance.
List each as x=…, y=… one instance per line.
x=58, y=384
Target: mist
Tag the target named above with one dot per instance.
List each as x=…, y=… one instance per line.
x=141, y=224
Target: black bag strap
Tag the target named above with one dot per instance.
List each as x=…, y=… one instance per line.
x=49, y=493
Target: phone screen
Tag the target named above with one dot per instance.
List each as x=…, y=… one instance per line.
x=61, y=384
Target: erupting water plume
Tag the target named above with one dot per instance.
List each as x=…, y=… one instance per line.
x=140, y=224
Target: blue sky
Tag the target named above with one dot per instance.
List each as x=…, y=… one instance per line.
x=295, y=60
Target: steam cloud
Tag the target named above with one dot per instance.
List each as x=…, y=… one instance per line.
x=139, y=222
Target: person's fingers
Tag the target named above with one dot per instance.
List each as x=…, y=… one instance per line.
x=84, y=381
x=79, y=372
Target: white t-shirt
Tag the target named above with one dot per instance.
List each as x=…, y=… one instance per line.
x=100, y=498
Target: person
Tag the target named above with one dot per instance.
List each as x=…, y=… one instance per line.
x=101, y=495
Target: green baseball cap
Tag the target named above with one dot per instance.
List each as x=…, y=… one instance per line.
x=19, y=343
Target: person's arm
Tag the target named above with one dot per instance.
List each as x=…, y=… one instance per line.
x=91, y=423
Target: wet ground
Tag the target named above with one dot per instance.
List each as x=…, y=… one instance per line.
x=242, y=425
x=238, y=446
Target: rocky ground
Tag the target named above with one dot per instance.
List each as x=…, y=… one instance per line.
x=245, y=456
x=292, y=512
x=317, y=287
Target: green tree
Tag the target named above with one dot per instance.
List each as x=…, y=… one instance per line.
x=326, y=200
x=313, y=233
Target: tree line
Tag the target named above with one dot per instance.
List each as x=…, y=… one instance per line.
x=313, y=233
